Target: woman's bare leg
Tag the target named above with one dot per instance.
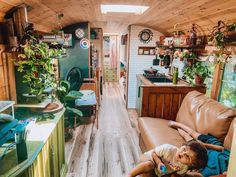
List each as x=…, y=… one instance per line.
x=187, y=137
x=187, y=129
x=184, y=134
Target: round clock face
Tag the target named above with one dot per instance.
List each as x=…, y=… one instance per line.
x=145, y=35
x=79, y=33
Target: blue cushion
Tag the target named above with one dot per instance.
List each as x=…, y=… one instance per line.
x=88, y=98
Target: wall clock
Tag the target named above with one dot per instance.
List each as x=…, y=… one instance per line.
x=79, y=33
x=145, y=36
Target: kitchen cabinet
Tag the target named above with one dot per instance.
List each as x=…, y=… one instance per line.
x=45, y=148
x=161, y=100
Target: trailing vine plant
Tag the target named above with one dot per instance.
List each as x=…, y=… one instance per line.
x=220, y=38
x=35, y=62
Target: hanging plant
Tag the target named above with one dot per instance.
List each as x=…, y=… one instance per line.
x=220, y=36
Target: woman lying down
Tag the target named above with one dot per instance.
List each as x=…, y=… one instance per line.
x=193, y=155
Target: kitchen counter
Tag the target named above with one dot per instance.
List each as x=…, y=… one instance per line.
x=147, y=83
x=161, y=99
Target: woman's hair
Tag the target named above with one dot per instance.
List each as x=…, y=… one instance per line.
x=200, y=151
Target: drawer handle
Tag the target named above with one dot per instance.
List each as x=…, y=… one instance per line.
x=138, y=91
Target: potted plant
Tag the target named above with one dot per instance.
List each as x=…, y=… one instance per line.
x=221, y=36
x=231, y=32
x=35, y=62
x=218, y=35
x=188, y=56
x=197, y=73
x=67, y=98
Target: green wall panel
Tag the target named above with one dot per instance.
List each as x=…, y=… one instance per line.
x=76, y=56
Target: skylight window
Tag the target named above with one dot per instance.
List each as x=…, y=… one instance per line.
x=123, y=9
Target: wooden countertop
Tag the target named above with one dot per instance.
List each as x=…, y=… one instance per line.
x=147, y=83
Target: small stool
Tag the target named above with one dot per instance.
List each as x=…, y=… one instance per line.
x=88, y=102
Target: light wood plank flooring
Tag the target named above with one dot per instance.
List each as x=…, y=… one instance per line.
x=110, y=151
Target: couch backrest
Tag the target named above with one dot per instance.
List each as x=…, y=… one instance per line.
x=205, y=115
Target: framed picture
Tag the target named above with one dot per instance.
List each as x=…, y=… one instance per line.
x=152, y=51
x=140, y=51
x=146, y=52
x=68, y=40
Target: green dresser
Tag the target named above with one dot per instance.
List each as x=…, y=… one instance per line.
x=46, y=151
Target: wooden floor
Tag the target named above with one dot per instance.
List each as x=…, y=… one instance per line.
x=110, y=151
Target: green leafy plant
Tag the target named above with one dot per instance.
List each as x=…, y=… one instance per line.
x=199, y=69
x=221, y=36
x=67, y=98
x=188, y=55
x=231, y=27
x=218, y=35
x=35, y=62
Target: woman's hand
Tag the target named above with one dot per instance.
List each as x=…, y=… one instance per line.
x=161, y=168
x=158, y=163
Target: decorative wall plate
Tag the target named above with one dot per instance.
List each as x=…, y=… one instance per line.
x=145, y=36
x=79, y=33
x=84, y=43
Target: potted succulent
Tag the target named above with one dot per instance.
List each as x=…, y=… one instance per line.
x=197, y=73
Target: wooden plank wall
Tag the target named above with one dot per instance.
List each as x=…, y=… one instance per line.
x=4, y=92
x=165, y=101
x=7, y=75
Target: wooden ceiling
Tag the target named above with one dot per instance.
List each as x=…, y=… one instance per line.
x=162, y=14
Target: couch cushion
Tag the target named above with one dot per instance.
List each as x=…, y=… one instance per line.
x=229, y=137
x=155, y=131
x=205, y=115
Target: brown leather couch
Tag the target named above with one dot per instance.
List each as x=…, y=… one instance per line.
x=196, y=111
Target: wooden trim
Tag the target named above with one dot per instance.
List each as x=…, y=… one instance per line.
x=217, y=81
x=127, y=66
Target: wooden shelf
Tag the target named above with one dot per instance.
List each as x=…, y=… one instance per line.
x=182, y=46
x=146, y=50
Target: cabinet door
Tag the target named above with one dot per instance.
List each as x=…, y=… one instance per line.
x=58, y=150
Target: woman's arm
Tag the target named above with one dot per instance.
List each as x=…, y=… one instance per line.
x=157, y=161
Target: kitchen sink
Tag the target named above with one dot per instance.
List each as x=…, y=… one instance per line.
x=159, y=79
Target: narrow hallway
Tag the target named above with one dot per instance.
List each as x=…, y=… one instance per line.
x=110, y=151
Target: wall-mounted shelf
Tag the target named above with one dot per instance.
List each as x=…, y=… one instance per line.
x=182, y=46
x=146, y=50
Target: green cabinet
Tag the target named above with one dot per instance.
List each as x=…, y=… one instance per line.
x=46, y=152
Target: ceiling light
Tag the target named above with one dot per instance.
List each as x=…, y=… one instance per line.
x=123, y=9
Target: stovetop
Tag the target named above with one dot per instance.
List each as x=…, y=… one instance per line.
x=154, y=75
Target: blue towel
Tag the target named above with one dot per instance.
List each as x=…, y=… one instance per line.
x=217, y=161
x=88, y=98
